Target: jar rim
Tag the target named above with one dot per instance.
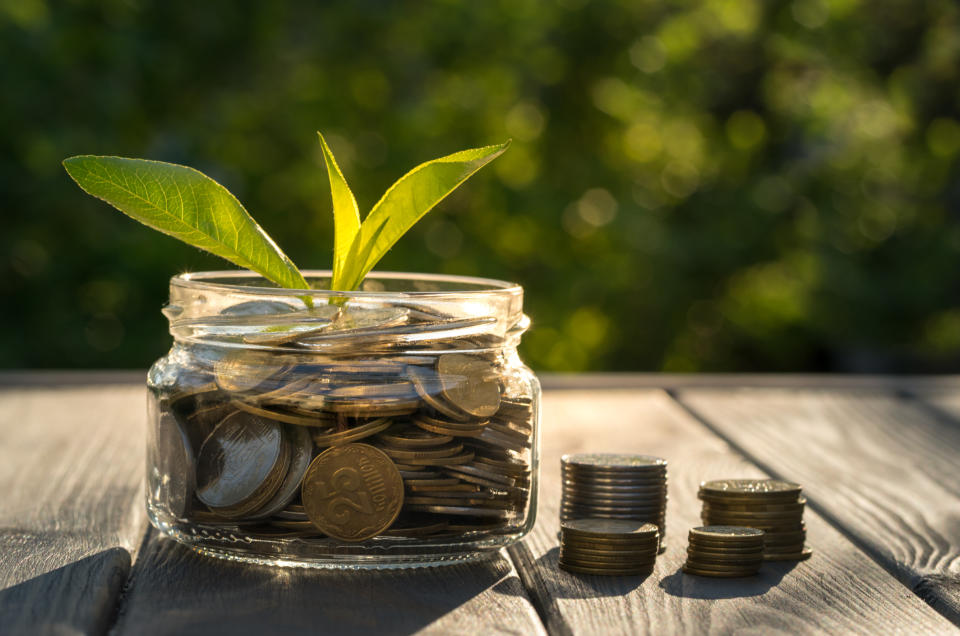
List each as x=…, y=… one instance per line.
x=213, y=280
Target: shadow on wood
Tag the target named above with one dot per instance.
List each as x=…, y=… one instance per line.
x=175, y=590
x=703, y=587
x=77, y=598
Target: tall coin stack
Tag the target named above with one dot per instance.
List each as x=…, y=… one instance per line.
x=724, y=551
x=614, y=486
x=771, y=505
x=608, y=546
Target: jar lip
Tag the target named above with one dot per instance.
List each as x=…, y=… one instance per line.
x=213, y=280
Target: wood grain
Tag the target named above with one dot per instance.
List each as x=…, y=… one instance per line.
x=839, y=590
x=176, y=591
x=883, y=468
x=71, y=510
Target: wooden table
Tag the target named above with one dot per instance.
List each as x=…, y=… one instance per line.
x=879, y=459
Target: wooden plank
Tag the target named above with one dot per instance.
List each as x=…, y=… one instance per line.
x=839, y=590
x=881, y=467
x=605, y=381
x=50, y=379
x=177, y=591
x=572, y=381
x=71, y=512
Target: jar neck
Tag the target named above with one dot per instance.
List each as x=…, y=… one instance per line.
x=427, y=314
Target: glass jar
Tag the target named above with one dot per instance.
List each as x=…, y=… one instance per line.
x=393, y=426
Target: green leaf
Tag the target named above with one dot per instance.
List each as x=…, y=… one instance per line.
x=346, y=216
x=407, y=200
x=187, y=205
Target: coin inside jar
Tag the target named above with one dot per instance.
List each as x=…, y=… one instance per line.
x=238, y=464
x=352, y=492
x=470, y=383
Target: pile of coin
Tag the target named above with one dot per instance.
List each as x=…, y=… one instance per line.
x=724, y=551
x=608, y=546
x=771, y=505
x=426, y=404
x=614, y=486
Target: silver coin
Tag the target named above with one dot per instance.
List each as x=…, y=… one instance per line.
x=301, y=454
x=236, y=459
x=173, y=460
x=482, y=472
x=761, y=489
x=605, y=528
x=727, y=533
x=614, y=461
x=615, y=488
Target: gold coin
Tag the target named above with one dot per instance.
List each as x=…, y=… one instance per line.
x=756, y=490
x=241, y=371
x=727, y=534
x=352, y=492
x=444, y=429
x=413, y=437
x=586, y=551
x=470, y=383
x=403, y=454
x=276, y=416
x=352, y=434
x=416, y=531
x=461, y=510
x=577, y=569
x=428, y=388
x=602, y=528
x=727, y=506
x=619, y=563
x=446, y=485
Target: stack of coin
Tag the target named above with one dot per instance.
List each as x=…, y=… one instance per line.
x=614, y=486
x=771, y=505
x=608, y=546
x=237, y=430
x=724, y=551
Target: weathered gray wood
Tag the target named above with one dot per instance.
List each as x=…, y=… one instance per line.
x=883, y=468
x=573, y=381
x=176, y=591
x=604, y=381
x=50, y=379
x=839, y=590
x=71, y=508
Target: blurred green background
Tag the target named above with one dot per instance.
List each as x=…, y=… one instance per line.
x=694, y=185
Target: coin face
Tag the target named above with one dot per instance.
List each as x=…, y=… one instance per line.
x=615, y=461
x=301, y=453
x=727, y=533
x=608, y=528
x=352, y=492
x=470, y=383
x=237, y=459
x=755, y=487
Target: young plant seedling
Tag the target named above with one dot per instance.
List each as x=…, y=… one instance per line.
x=192, y=207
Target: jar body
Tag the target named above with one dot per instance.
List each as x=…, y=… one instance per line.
x=392, y=427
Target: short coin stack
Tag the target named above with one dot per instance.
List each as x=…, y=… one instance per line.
x=608, y=546
x=771, y=505
x=724, y=551
x=614, y=486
